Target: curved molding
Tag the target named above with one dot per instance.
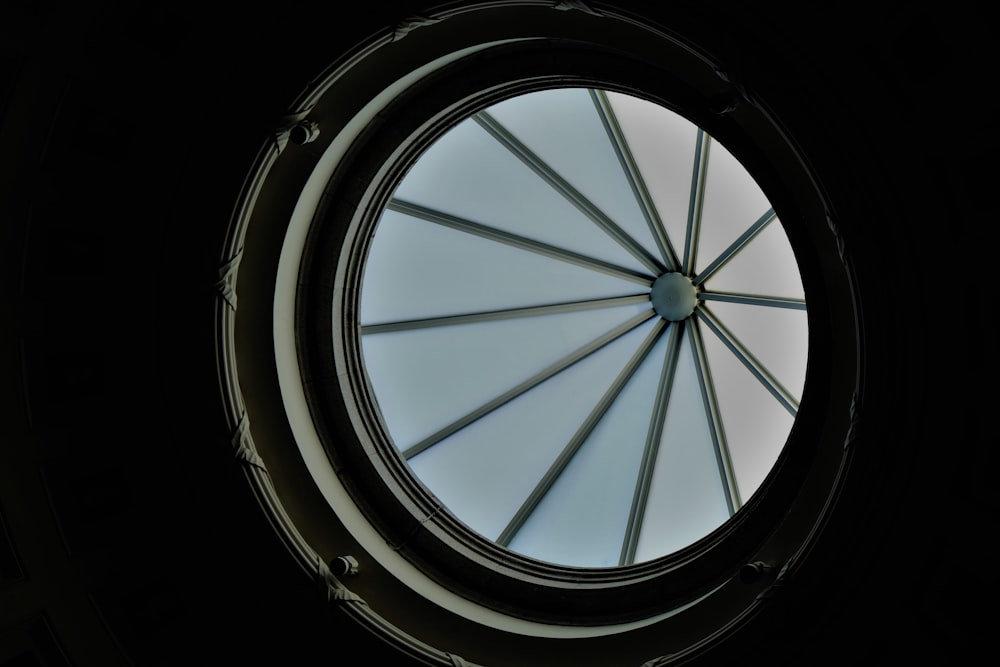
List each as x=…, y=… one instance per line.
x=835, y=230
x=226, y=284
x=404, y=28
x=312, y=563
x=243, y=444
x=852, y=432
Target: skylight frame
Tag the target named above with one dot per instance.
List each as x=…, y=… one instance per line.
x=411, y=523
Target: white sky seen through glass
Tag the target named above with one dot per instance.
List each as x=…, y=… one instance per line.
x=584, y=327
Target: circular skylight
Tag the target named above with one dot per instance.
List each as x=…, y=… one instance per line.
x=584, y=327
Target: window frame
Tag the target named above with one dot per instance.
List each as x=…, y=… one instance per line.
x=700, y=589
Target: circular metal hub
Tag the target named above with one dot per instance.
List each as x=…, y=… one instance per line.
x=673, y=297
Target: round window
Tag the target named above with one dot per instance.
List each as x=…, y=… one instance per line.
x=584, y=327
x=558, y=329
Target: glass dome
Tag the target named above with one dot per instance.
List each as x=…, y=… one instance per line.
x=584, y=327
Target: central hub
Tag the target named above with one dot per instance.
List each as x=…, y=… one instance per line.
x=674, y=297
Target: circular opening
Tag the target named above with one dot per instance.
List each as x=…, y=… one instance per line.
x=583, y=327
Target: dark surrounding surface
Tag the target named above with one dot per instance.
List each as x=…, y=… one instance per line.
x=128, y=534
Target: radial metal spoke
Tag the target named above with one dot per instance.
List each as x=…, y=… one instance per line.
x=563, y=187
x=754, y=300
x=532, y=382
x=581, y=435
x=747, y=359
x=720, y=444
x=620, y=145
x=735, y=247
x=699, y=178
x=521, y=242
x=657, y=422
x=504, y=314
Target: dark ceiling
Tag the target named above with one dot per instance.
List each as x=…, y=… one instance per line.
x=129, y=534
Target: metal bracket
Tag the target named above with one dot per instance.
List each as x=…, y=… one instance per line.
x=752, y=572
x=344, y=565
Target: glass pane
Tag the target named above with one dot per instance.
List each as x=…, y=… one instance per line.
x=469, y=174
x=563, y=127
x=733, y=202
x=686, y=500
x=756, y=423
x=484, y=472
x=778, y=337
x=420, y=269
x=662, y=144
x=582, y=519
x=426, y=378
x=765, y=266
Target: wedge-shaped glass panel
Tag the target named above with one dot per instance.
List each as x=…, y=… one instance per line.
x=580, y=521
x=686, y=501
x=426, y=378
x=663, y=145
x=485, y=471
x=758, y=424
x=764, y=266
x=733, y=201
x=777, y=337
x=423, y=270
x=552, y=125
x=468, y=173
